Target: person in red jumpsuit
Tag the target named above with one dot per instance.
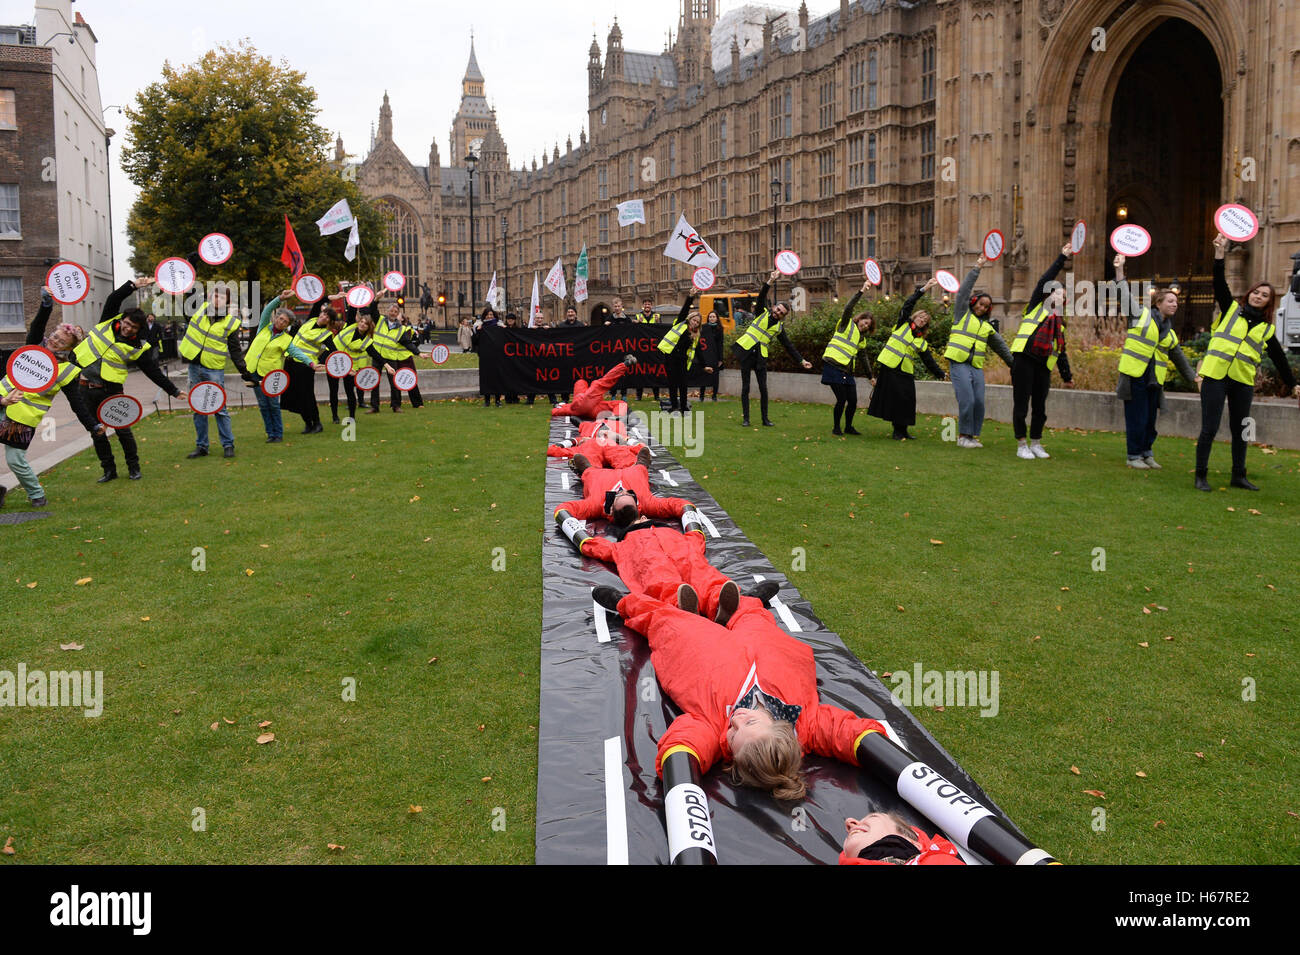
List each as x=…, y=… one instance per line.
x=605, y=450
x=588, y=400
x=601, y=485
x=885, y=839
x=748, y=694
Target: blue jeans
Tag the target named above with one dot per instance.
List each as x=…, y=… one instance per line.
x=968, y=384
x=16, y=458
x=1140, y=413
x=270, y=408
x=197, y=374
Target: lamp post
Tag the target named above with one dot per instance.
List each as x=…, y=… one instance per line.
x=776, y=200
x=472, y=161
x=505, y=264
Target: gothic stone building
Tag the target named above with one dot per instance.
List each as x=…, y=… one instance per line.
x=900, y=131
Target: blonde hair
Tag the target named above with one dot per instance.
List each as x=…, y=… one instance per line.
x=771, y=762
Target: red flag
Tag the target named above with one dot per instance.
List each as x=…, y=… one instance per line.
x=292, y=254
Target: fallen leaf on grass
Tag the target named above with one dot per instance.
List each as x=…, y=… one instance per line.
x=32, y=585
x=145, y=619
x=1095, y=792
x=1159, y=823
x=1035, y=637
x=1270, y=587
x=1141, y=775
x=228, y=722
x=414, y=499
x=264, y=546
x=248, y=572
x=1255, y=512
x=265, y=738
x=486, y=779
x=264, y=724
x=1075, y=770
x=1065, y=588
x=72, y=646
x=1168, y=638
x=84, y=580
x=9, y=847
x=1144, y=644
x=1232, y=508
x=1146, y=609
x=335, y=847
x=414, y=809
x=933, y=541
x=1199, y=755
x=215, y=726
x=1250, y=654
x=433, y=660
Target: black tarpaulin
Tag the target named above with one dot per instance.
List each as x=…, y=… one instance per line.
x=602, y=712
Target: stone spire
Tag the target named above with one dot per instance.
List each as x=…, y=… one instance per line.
x=385, y=121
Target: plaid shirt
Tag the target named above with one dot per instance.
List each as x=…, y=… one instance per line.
x=1049, y=338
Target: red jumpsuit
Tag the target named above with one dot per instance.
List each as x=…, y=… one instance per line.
x=593, y=429
x=601, y=453
x=935, y=850
x=597, y=481
x=588, y=399
x=705, y=669
x=656, y=560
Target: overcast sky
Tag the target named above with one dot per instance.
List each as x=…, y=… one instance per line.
x=533, y=57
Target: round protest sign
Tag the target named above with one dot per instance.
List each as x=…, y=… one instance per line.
x=32, y=368
x=439, y=354
x=207, y=397
x=275, y=383
x=1130, y=240
x=68, y=283
x=338, y=364
x=947, y=281
x=215, y=248
x=368, y=378
x=1236, y=221
x=1077, y=236
x=175, y=276
x=119, y=411
x=309, y=288
x=787, y=262
x=871, y=269
x=993, y=245
x=404, y=379
x=703, y=278
x=394, y=281
x=359, y=296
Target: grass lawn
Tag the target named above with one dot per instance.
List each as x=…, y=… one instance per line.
x=370, y=558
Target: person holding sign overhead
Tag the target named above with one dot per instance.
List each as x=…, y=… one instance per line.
x=894, y=396
x=847, y=344
x=711, y=335
x=21, y=411
x=679, y=345
x=309, y=342
x=1237, y=344
x=751, y=349
x=1143, y=367
x=355, y=339
x=266, y=354
x=394, y=347
x=968, y=344
x=211, y=336
x=116, y=342
x=1038, y=346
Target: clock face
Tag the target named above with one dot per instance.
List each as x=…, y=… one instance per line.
x=476, y=146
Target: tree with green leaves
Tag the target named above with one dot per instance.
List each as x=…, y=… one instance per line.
x=232, y=145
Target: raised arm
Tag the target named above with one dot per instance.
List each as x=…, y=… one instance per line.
x=1132, y=303
x=962, y=301
x=36, y=333
x=686, y=308
x=1222, y=294
x=905, y=315
x=113, y=304
x=843, y=326
x=1040, y=290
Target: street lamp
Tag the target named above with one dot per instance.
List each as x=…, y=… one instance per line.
x=505, y=263
x=776, y=201
x=472, y=161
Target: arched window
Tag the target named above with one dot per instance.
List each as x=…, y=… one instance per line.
x=404, y=236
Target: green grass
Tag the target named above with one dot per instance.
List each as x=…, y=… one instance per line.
x=347, y=586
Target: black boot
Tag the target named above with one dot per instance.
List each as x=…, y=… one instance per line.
x=728, y=601
x=110, y=474
x=764, y=590
x=1201, y=483
x=608, y=597
x=1239, y=480
x=133, y=470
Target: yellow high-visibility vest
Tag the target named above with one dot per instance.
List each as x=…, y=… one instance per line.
x=205, y=338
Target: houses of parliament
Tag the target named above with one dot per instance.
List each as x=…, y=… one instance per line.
x=900, y=131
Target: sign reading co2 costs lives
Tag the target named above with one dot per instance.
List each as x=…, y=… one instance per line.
x=207, y=397
x=68, y=283
x=119, y=411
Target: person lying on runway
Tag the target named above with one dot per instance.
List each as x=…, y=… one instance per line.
x=882, y=838
x=659, y=558
x=602, y=452
x=600, y=485
x=589, y=400
x=747, y=691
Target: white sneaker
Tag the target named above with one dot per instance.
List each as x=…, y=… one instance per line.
x=973, y=443
x=1038, y=451
x=1023, y=452
x=1151, y=463
x=1138, y=463
x=963, y=441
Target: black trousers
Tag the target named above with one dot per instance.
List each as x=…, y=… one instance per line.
x=350, y=389
x=1031, y=380
x=91, y=397
x=300, y=397
x=1214, y=392
x=395, y=396
x=677, y=400
x=846, y=402
x=752, y=361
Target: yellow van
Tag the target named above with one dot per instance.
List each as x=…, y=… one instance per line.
x=726, y=304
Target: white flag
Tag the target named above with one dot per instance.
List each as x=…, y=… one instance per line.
x=631, y=211
x=535, y=309
x=492, y=291
x=555, y=279
x=354, y=240
x=685, y=245
x=337, y=219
